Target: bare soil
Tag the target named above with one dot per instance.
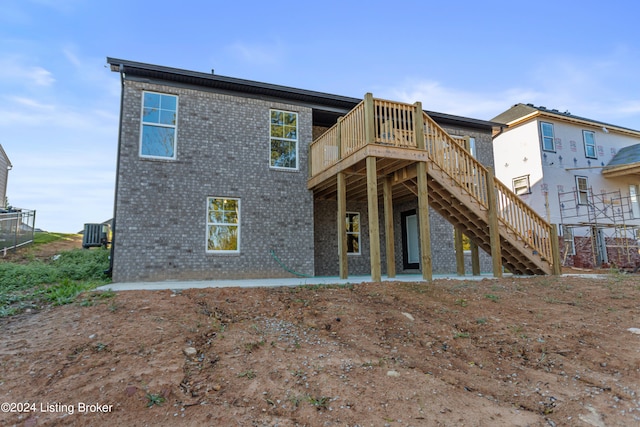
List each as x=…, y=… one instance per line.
x=542, y=351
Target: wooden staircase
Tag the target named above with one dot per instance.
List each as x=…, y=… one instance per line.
x=460, y=189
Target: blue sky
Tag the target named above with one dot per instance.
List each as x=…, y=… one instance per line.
x=59, y=103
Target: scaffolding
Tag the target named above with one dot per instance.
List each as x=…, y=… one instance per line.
x=600, y=225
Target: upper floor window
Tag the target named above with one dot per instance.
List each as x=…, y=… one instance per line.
x=159, y=120
x=521, y=185
x=589, y=144
x=284, y=140
x=548, y=140
x=223, y=224
x=353, y=233
x=582, y=190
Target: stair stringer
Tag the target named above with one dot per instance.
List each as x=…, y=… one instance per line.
x=462, y=210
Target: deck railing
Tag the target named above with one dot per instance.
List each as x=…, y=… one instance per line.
x=393, y=124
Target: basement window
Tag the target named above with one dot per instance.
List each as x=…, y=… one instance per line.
x=353, y=233
x=569, y=240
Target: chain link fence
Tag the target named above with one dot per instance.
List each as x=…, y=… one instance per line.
x=17, y=227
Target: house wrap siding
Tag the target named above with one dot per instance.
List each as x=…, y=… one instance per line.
x=222, y=150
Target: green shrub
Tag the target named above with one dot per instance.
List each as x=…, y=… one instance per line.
x=58, y=281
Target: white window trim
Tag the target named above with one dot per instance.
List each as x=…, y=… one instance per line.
x=553, y=137
x=174, y=127
x=567, y=233
x=206, y=241
x=585, y=191
x=528, y=184
x=634, y=200
x=297, y=141
x=359, y=234
x=584, y=140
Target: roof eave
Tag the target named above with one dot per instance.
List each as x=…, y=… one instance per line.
x=621, y=170
x=571, y=119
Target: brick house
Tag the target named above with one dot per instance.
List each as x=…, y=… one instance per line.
x=579, y=173
x=216, y=180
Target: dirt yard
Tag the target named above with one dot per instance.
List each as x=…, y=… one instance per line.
x=541, y=351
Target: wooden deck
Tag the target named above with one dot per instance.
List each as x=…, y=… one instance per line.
x=397, y=151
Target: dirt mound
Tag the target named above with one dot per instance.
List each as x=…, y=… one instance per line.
x=538, y=351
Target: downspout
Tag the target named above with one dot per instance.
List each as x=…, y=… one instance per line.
x=109, y=272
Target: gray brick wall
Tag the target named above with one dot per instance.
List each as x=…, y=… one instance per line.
x=222, y=150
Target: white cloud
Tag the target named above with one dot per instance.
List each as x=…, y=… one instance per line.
x=30, y=103
x=14, y=70
x=437, y=97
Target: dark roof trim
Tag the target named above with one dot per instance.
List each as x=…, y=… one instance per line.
x=230, y=83
x=462, y=121
x=318, y=100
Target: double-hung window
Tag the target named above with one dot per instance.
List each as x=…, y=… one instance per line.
x=589, y=144
x=548, y=140
x=223, y=225
x=283, y=140
x=521, y=185
x=569, y=240
x=353, y=233
x=582, y=190
x=159, y=120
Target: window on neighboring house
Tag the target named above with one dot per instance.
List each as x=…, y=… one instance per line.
x=582, y=190
x=223, y=224
x=353, y=233
x=548, y=141
x=634, y=199
x=568, y=240
x=159, y=120
x=284, y=139
x=589, y=144
x=521, y=185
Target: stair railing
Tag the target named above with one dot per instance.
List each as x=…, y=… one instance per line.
x=393, y=125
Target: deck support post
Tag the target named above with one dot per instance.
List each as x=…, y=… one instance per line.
x=494, y=231
x=475, y=259
x=374, y=225
x=372, y=190
x=342, y=225
x=458, y=245
x=555, y=250
x=423, y=222
x=388, y=227
x=423, y=198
